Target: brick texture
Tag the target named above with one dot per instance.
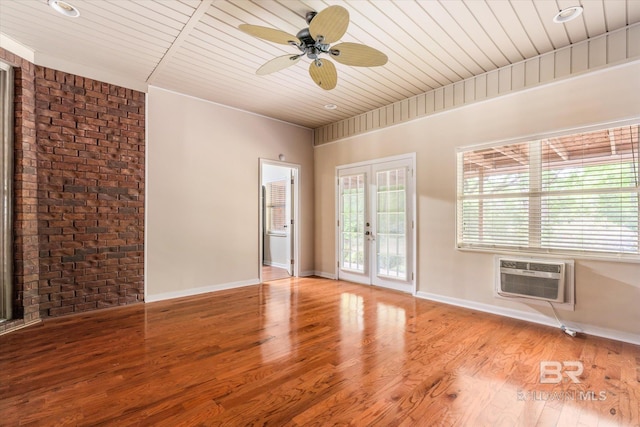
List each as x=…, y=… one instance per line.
x=78, y=193
x=90, y=138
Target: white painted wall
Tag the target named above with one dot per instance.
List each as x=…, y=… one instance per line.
x=202, y=223
x=607, y=293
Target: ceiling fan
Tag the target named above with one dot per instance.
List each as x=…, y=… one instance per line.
x=325, y=27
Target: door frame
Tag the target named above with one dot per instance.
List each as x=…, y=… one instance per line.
x=411, y=158
x=295, y=202
x=6, y=191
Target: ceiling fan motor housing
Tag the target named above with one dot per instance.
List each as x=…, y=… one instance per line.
x=305, y=37
x=309, y=46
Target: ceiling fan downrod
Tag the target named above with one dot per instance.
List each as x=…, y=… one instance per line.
x=309, y=16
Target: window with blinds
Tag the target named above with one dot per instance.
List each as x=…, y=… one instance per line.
x=276, y=204
x=570, y=194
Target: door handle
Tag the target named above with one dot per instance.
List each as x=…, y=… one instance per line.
x=366, y=233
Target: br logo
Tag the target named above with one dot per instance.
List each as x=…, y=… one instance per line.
x=552, y=372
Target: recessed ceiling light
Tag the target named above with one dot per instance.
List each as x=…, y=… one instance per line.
x=566, y=15
x=330, y=107
x=64, y=8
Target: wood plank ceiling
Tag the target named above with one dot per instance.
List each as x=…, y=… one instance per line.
x=194, y=47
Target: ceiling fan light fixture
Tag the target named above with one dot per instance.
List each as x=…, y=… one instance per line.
x=330, y=107
x=64, y=8
x=568, y=14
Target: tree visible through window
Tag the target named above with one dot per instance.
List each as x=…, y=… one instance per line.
x=576, y=193
x=276, y=205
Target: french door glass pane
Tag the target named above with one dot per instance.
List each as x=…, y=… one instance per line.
x=391, y=215
x=352, y=220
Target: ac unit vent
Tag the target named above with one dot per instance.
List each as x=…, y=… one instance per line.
x=537, y=280
x=549, y=268
x=513, y=264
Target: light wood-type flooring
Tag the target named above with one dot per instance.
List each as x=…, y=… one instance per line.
x=309, y=352
x=270, y=273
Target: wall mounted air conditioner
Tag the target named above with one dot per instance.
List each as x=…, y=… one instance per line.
x=542, y=280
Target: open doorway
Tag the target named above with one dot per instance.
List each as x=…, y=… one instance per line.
x=278, y=220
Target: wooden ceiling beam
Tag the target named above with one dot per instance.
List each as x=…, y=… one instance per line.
x=558, y=148
x=612, y=142
x=513, y=154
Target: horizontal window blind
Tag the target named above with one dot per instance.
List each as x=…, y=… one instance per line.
x=276, y=203
x=575, y=193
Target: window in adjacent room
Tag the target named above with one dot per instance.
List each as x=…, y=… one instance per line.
x=6, y=177
x=573, y=194
x=276, y=205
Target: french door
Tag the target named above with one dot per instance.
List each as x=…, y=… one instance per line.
x=376, y=224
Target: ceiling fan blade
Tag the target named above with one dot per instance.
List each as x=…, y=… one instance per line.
x=358, y=55
x=331, y=24
x=326, y=75
x=277, y=64
x=269, y=34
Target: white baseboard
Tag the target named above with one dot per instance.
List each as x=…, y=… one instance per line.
x=307, y=273
x=201, y=290
x=324, y=274
x=532, y=317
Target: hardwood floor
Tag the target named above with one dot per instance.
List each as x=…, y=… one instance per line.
x=271, y=273
x=309, y=352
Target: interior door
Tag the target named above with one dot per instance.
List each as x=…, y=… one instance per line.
x=375, y=224
x=279, y=213
x=289, y=222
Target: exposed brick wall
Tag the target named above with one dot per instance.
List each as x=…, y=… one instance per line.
x=90, y=138
x=78, y=193
x=25, y=230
